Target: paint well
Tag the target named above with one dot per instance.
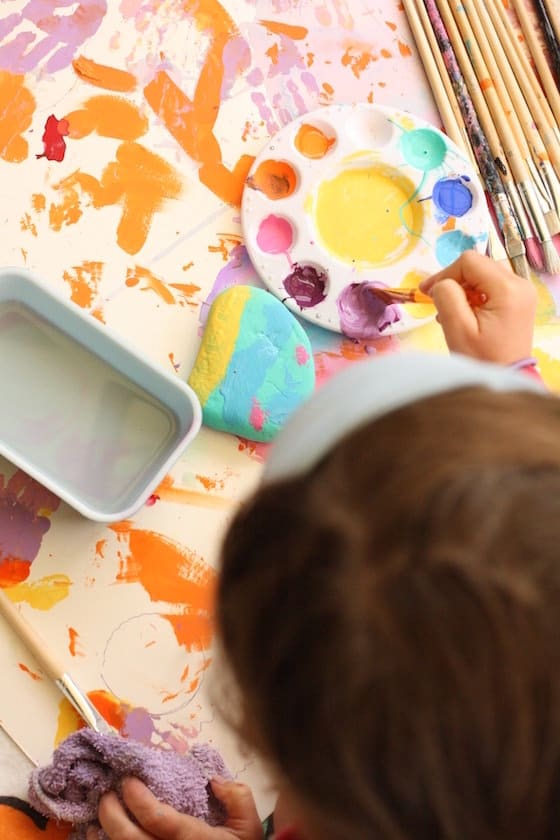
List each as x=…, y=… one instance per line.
x=275, y=235
x=307, y=285
x=364, y=215
x=312, y=142
x=275, y=178
x=450, y=246
x=423, y=148
x=452, y=196
x=362, y=314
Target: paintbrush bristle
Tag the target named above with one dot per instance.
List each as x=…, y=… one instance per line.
x=521, y=266
x=552, y=222
x=551, y=258
x=534, y=253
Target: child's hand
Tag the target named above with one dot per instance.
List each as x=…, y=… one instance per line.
x=160, y=822
x=500, y=330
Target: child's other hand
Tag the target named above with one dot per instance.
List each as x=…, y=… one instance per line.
x=161, y=822
x=500, y=330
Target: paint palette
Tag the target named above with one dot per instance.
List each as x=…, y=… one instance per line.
x=352, y=197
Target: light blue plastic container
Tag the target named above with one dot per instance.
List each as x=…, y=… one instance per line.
x=81, y=410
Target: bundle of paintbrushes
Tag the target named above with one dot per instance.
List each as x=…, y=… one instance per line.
x=502, y=105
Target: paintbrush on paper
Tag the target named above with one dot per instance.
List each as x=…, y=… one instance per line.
x=475, y=297
x=54, y=669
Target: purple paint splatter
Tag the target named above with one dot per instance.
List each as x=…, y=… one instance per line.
x=363, y=315
x=306, y=285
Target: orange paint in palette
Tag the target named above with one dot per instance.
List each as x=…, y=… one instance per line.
x=357, y=199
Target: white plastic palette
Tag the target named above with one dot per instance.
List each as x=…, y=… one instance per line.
x=347, y=197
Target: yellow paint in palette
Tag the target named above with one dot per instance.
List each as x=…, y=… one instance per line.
x=364, y=215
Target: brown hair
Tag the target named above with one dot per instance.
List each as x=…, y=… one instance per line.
x=392, y=620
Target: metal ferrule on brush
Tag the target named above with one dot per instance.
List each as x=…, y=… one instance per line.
x=541, y=189
x=548, y=175
x=528, y=194
x=519, y=210
x=82, y=705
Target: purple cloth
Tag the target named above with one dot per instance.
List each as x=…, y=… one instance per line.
x=88, y=764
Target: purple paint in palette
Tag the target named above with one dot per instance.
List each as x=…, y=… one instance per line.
x=307, y=285
x=363, y=315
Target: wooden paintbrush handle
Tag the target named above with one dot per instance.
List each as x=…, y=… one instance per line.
x=539, y=58
x=52, y=667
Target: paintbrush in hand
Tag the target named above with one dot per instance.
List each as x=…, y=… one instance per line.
x=475, y=297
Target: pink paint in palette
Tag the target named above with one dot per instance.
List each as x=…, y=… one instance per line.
x=350, y=197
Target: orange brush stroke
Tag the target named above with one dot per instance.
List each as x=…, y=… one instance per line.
x=84, y=282
x=17, y=106
x=192, y=123
x=72, y=642
x=169, y=493
x=109, y=707
x=103, y=76
x=278, y=28
x=27, y=670
x=13, y=571
x=139, y=180
x=108, y=116
x=138, y=273
x=404, y=49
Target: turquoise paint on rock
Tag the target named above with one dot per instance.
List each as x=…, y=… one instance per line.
x=270, y=372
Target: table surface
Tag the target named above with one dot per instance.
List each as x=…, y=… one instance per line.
x=138, y=223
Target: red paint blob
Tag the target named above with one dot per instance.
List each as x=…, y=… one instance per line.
x=53, y=139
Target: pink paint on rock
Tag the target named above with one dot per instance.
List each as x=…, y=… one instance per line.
x=302, y=356
x=257, y=416
x=275, y=235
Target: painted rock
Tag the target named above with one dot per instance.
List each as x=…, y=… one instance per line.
x=254, y=366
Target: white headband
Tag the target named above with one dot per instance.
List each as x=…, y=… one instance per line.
x=367, y=390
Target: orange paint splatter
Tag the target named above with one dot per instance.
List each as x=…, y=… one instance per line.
x=84, y=282
x=17, y=106
x=192, y=123
x=391, y=25
x=170, y=493
x=370, y=97
x=185, y=673
x=13, y=571
x=100, y=547
x=275, y=178
x=26, y=223
x=73, y=637
x=450, y=223
x=114, y=711
x=139, y=180
x=169, y=697
x=187, y=291
x=386, y=53
x=226, y=243
x=103, y=76
x=357, y=61
x=207, y=483
x=312, y=142
x=38, y=202
x=328, y=88
x=32, y=674
x=276, y=27
x=273, y=53
x=171, y=574
x=404, y=49
x=152, y=282
x=486, y=83
x=108, y=116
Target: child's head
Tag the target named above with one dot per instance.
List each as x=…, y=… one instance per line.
x=392, y=618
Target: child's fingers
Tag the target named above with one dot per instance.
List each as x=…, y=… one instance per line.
x=473, y=270
x=456, y=316
x=242, y=816
x=116, y=822
x=160, y=820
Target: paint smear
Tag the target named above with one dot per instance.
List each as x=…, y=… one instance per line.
x=68, y=721
x=103, y=76
x=151, y=282
x=358, y=60
x=275, y=235
x=257, y=416
x=364, y=215
x=25, y=509
x=35, y=677
x=54, y=146
x=108, y=116
x=114, y=711
x=362, y=314
x=73, y=637
x=450, y=246
x=171, y=574
x=297, y=33
x=41, y=594
x=311, y=142
x=17, y=105
x=275, y=178
x=302, y=356
x=169, y=492
x=139, y=180
x=306, y=284
x=84, y=282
